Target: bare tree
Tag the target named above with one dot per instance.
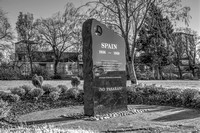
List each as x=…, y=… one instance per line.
x=58, y=32
x=27, y=35
x=127, y=17
x=190, y=41
x=6, y=34
x=178, y=52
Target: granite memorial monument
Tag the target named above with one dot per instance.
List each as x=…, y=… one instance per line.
x=104, y=69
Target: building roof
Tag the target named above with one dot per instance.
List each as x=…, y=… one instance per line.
x=26, y=41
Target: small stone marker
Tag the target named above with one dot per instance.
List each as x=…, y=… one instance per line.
x=104, y=69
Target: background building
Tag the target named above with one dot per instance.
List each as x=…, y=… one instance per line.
x=69, y=64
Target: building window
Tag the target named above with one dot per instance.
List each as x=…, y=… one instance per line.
x=66, y=68
x=51, y=66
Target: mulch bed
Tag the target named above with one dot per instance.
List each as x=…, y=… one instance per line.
x=25, y=107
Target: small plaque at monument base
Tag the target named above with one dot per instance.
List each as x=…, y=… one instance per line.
x=104, y=69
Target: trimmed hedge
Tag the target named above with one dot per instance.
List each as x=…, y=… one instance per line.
x=138, y=94
x=143, y=94
x=46, y=93
x=9, y=74
x=42, y=72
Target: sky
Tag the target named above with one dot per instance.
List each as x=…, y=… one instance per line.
x=195, y=14
x=46, y=8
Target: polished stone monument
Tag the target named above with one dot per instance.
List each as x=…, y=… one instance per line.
x=104, y=69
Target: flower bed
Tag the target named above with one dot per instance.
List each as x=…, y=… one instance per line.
x=24, y=99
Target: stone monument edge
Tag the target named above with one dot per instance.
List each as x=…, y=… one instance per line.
x=88, y=68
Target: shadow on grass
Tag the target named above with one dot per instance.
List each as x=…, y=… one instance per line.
x=46, y=121
x=187, y=114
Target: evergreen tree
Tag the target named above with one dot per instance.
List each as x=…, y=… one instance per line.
x=155, y=41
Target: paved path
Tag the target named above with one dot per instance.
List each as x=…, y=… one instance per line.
x=162, y=118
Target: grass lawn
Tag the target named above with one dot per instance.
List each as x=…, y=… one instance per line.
x=5, y=84
x=183, y=84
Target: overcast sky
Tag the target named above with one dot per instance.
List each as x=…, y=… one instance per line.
x=46, y=8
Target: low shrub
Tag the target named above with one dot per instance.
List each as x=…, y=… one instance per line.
x=151, y=94
x=54, y=95
x=46, y=88
x=26, y=88
x=8, y=74
x=139, y=99
x=12, y=97
x=171, y=76
x=142, y=76
x=131, y=94
x=9, y=97
x=62, y=76
x=188, y=76
x=147, y=75
x=63, y=88
x=75, y=81
x=4, y=109
x=57, y=76
x=49, y=88
x=153, y=90
x=140, y=94
x=3, y=95
x=80, y=97
x=18, y=91
x=42, y=72
x=37, y=81
x=188, y=96
x=36, y=93
x=72, y=93
x=196, y=101
x=172, y=97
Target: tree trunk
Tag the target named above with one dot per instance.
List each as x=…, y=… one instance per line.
x=131, y=72
x=30, y=58
x=55, y=67
x=31, y=64
x=130, y=63
x=180, y=71
x=156, y=74
x=178, y=64
x=160, y=72
x=153, y=71
x=193, y=72
x=191, y=67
